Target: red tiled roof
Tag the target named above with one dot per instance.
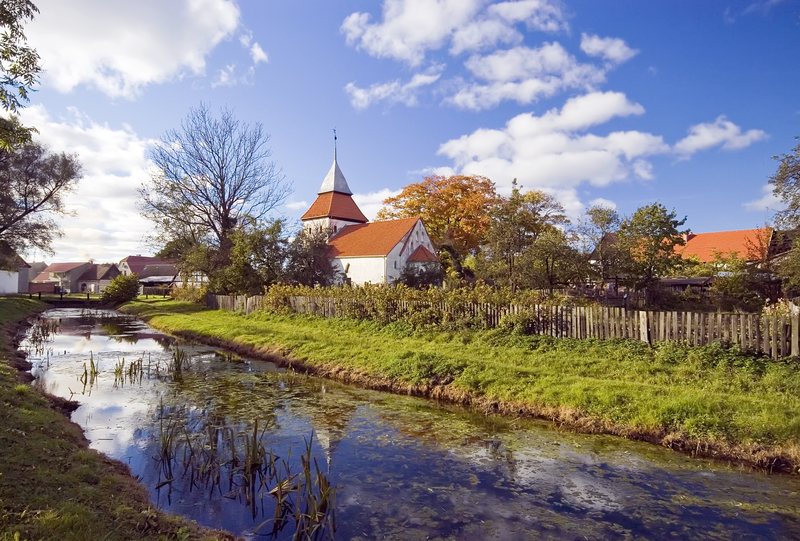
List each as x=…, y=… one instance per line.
x=44, y=277
x=422, y=254
x=137, y=263
x=704, y=245
x=335, y=205
x=374, y=239
x=64, y=267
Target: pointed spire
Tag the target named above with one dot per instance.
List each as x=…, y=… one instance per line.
x=334, y=180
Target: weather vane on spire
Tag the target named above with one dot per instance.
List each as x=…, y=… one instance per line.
x=334, y=143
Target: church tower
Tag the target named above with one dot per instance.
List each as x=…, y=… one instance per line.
x=334, y=208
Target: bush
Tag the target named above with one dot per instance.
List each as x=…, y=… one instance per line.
x=193, y=294
x=122, y=288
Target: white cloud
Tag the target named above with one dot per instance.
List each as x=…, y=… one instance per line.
x=721, y=132
x=444, y=171
x=228, y=77
x=107, y=226
x=600, y=202
x=371, y=203
x=612, y=49
x=393, y=92
x=549, y=152
x=524, y=74
x=767, y=202
x=410, y=28
x=297, y=205
x=119, y=47
x=540, y=15
x=258, y=54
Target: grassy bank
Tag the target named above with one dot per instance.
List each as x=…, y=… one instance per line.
x=52, y=486
x=707, y=401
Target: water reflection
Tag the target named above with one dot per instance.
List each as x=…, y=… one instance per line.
x=404, y=468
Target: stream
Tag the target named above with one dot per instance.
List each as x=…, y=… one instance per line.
x=245, y=446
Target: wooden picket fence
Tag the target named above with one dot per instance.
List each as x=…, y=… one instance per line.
x=773, y=335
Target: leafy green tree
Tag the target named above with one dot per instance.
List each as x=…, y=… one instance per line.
x=517, y=222
x=33, y=185
x=123, y=288
x=257, y=259
x=786, y=186
x=551, y=260
x=789, y=268
x=648, y=240
x=307, y=261
x=421, y=275
x=19, y=70
x=598, y=229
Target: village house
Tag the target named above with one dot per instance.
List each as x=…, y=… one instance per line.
x=362, y=252
x=97, y=277
x=135, y=264
x=59, y=278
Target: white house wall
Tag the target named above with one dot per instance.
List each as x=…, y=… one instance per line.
x=24, y=275
x=9, y=282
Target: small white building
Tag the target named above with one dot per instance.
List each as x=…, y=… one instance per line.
x=15, y=278
x=363, y=252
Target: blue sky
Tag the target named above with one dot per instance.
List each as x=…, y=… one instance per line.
x=621, y=102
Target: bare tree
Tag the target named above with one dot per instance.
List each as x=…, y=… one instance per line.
x=33, y=183
x=211, y=174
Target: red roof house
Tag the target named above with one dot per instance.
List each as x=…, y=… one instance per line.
x=57, y=277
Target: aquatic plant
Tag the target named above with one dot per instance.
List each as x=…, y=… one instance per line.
x=210, y=453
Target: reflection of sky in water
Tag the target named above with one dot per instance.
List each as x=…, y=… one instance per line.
x=404, y=468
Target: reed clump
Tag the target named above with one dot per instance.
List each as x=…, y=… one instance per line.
x=238, y=465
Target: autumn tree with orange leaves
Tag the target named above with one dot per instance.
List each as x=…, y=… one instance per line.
x=455, y=209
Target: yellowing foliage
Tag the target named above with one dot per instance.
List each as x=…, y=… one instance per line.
x=455, y=209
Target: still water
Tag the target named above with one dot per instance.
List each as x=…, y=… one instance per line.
x=402, y=468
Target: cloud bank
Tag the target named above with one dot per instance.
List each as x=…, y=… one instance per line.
x=120, y=47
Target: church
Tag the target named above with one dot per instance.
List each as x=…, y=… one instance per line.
x=361, y=251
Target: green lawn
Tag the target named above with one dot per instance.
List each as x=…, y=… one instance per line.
x=52, y=487
x=744, y=407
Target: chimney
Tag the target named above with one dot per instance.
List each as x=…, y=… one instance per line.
x=688, y=236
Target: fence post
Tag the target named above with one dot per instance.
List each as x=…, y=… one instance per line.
x=795, y=322
x=775, y=335
x=643, y=327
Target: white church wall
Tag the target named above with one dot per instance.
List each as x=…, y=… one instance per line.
x=361, y=270
x=330, y=224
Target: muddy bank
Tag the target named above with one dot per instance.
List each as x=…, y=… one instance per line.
x=771, y=459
